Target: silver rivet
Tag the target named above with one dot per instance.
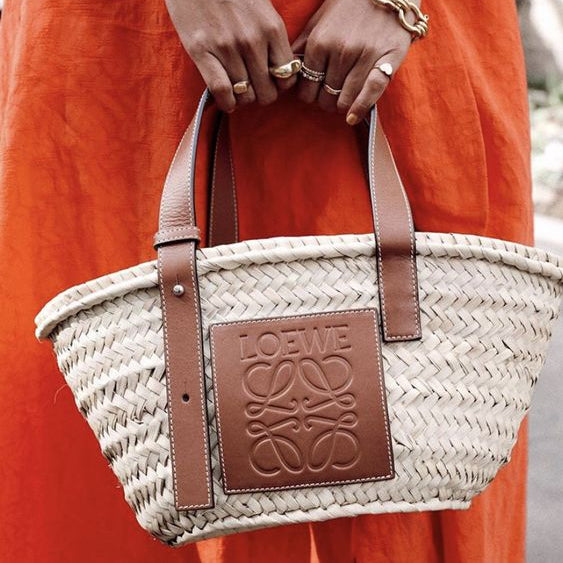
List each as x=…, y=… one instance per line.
x=178, y=290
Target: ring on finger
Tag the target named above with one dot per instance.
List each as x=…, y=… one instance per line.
x=312, y=75
x=241, y=87
x=386, y=69
x=286, y=70
x=330, y=90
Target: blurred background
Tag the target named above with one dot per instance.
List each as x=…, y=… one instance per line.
x=541, y=23
x=542, y=35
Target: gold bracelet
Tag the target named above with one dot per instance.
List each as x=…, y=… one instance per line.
x=419, y=28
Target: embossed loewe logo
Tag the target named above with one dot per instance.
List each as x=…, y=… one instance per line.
x=298, y=385
x=300, y=401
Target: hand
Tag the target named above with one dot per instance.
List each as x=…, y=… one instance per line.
x=346, y=39
x=234, y=40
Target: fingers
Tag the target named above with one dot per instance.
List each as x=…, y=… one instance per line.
x=370, y=91
x=339, y=65
x=254, y=51
x=298, y=46
x=260, y=51
x=280, y=53
x=314, y=64
x=218, y=82
x=237, y=71
x=354, y=83
x=243, y=56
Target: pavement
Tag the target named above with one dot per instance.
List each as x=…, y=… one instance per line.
x=545, y=469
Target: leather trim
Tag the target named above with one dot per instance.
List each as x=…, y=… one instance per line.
x=176, y=247
x=187, y=413
x=301, y=401
x=395, y=251
x=175, y=234
x=223, y=216
x=392, y=220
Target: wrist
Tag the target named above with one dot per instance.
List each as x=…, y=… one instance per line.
x=409, y=15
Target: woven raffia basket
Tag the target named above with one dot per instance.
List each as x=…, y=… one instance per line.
x=456, y=397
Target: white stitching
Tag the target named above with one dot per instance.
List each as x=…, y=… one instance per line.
x=381, y=391
x=381, y=387
x=189, y=233
x=191, y=253
x=167, y=180
x=376, y=217
x=170, y=229
x=412, y=250
x=216, y=396
x=191, y=250
x=191, y=163
x=167, y=364
x=198, y=116
x=200, y=374
x=191, y=177
x=211, y=241
x=197, y=123
x=293, y=317
x=162, y=238
x=170, y=402
x=379, y=247
x=233, y=186
x=292, y=487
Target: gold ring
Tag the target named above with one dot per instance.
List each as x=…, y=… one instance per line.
x=332, y=91
x=287, y=70
x=386, y=69
x=241, y=87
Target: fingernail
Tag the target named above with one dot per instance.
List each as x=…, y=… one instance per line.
x=351, y=119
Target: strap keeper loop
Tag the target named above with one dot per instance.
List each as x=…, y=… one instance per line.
x=176, y=234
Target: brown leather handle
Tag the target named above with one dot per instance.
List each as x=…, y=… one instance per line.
x=222, y=224
x=176, y=243
x=390, y=208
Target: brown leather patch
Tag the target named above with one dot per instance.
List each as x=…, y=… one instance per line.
x=301, y=401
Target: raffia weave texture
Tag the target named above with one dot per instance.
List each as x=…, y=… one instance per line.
x=456, y=397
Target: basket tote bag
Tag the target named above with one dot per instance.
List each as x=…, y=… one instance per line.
x=295, y=379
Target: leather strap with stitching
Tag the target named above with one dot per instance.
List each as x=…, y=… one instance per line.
x=223, y=219
x=396, y=245
x=181, y=316
x=392, y=220
x=176, y=243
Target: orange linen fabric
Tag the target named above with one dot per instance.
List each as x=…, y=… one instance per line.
x=94, y=98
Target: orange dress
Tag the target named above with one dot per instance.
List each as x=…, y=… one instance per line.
x=94, y=98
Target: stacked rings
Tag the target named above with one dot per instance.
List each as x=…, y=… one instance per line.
x=312, y=75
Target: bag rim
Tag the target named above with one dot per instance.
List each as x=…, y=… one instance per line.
x=286, y=249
